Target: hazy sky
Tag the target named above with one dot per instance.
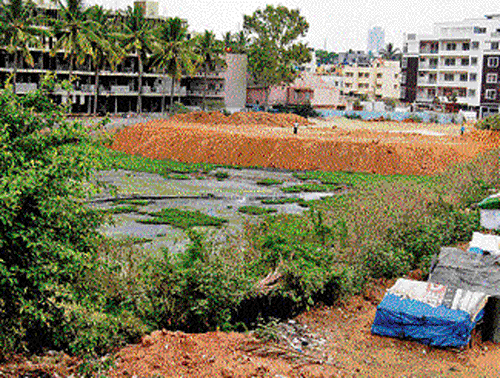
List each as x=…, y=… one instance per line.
x=339, y=25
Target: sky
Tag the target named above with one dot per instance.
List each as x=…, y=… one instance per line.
x=338, y=26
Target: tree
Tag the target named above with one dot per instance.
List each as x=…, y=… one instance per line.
x=209, y=51
x=19, y=32
x=47, y=234
x=137, y=37
x=74, y=32
x=274, y=51
x=390, y=53
x=235, y=43
x=105, y=47
x=174, y=53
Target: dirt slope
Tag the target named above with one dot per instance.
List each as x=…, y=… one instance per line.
x=328, y=146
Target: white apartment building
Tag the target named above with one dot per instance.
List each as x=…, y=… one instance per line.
x=458, y=63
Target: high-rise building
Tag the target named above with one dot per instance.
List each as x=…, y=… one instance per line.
x=375, y=40
x=458, y=63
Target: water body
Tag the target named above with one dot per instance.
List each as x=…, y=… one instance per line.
x=219, y=198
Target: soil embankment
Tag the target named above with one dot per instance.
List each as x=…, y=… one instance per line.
x=261, y=139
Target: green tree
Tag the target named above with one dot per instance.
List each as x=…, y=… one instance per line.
x=390, y=53
x=137, y=37
x=274, y=50
x=210, y=51
x=19, y=32
x=174, y=53
x=75, y=33
x=107, y=51
x=47, y=235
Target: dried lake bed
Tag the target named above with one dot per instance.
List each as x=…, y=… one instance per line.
x=218, y=193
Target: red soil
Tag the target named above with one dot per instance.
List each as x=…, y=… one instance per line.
x=242, y=140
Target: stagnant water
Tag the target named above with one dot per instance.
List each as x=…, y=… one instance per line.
x=220, y=198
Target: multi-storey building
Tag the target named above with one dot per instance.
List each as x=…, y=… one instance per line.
x=380, y=79
x=375, y=40
x=457, y=64
x=118, y=88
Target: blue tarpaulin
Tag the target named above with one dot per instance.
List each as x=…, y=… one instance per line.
x=410, y=319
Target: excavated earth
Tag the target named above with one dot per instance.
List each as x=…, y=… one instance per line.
x=266, y=140
x=326, y=342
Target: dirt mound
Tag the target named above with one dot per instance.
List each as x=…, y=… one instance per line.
x=328, y=148
x=241, y=118
x=485, y=136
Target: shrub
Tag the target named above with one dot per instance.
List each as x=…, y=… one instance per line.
x=47, y=235
x=255, y=210
x=489, y=123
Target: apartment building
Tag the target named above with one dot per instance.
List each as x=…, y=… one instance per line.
x=119, y=87
x=457, y=64
x=380, y=79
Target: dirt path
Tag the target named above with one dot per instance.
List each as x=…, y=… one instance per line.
x=338, y=144
x=341, y=345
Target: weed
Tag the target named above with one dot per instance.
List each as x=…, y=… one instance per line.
x=255, y=210
x=269, y=182
x=183, y=218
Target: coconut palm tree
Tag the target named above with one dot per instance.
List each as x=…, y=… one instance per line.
x=137, y=37
x=19, y=31
x=75, y=33
x=174, y=53
x=210, y=51
x=107, y=51
x=390, y=53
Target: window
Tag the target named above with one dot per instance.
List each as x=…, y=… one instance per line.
x=404, y=63
x=464, y=61
x=494, y=45
x=473, y=61
x=349, y=74
x=463, y=77
x=493, y=62
x=491, y=78
x=360, y=74
x=475, y=45
x=478, y=30
x=379, y=76
x=472, y=77
x=451, y=46
x=449, y=77
x=466, y=46
x=449, y=62
x=490, y=94
x=472, y=92
x=367, y=74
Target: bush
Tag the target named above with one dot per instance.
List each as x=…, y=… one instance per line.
x=47, y=236
x=489, y=123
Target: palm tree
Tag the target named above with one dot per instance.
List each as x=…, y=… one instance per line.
x=74, y=32
x=137, y=37
x=174, y=53
x=106, y=50
x=209, y=50
x=19, y=32
x=390, y=53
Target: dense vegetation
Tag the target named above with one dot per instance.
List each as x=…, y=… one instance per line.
x=65, y=286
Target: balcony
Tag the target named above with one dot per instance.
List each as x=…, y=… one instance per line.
x=200, y=92
x=426, y=81
x=427, y=50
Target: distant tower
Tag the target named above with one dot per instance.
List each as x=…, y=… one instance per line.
x=375, y=40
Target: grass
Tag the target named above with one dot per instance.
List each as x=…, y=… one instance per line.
x=269, y=182
x=256, y=210
x=184, y=219
x=121, y=209
x=109, y=159
x=132, y=201
x=221, y=175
